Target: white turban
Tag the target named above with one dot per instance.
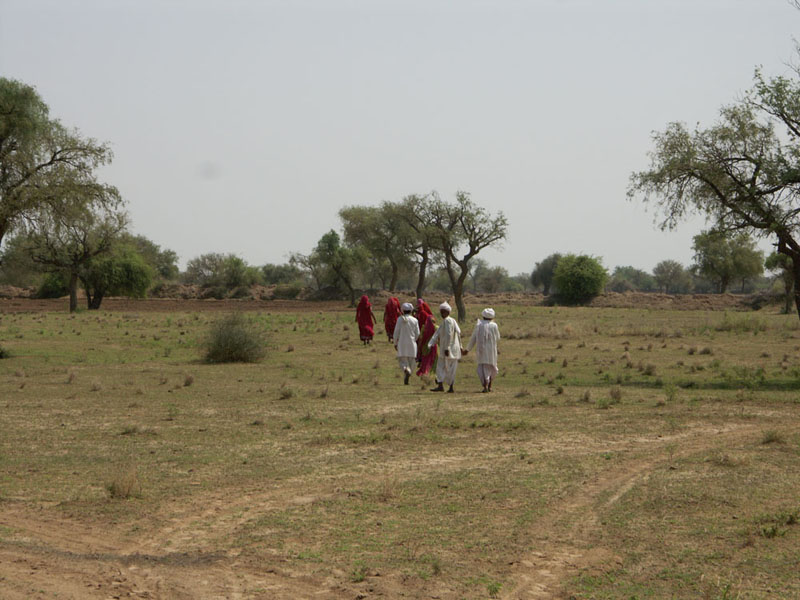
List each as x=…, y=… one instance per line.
x=488, y=313
x=407, y=307
x=445, y=306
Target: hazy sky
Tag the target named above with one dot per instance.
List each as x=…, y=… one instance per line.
x=244, y=126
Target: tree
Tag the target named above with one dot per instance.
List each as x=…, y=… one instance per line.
x=630, y=278
x=579, y=278
x=495, y=279
x=340, y=260
x=477, y=269
x=783, y=265
x=543, y=272
x=723, y=258
x=122, y=272
x=42, y=162
x=460, y=231
x=163, y=262
x=286, y=273
x=381, y=233
x=68, y=237
x=738, y=172
x=215, y=270
x=16, y=266
x=414, y=212
x=671, y=277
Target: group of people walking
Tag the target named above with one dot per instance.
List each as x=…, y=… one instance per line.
x=419, y=342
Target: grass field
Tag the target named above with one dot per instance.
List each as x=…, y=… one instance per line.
x=623, y=454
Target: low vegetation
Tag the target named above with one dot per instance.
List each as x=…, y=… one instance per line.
x=234, y=339
x=318, y=467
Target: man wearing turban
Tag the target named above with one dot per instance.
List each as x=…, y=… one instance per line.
x=485, y=337
x=405, y=336
x=449, y=338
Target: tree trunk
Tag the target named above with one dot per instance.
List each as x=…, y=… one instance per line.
x=73, y=292
x=94, y=303
x=423, y=268
x=458, y=293
x=796, y=273
x=395, y=276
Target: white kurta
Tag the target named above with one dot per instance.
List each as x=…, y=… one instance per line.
x=448, y=336
x=405, y=336
x=485, y=337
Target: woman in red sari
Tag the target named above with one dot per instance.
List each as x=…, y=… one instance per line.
x=423, y=311
x=365, y=320
x=426, y=358
x=390, y=316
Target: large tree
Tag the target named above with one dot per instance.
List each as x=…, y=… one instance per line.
x=41, y=161
x=542, y=274
x=67, y=238
x=381, y=233
x=414, y=213
x=723, y=259
x=628, y=278
x=461, y=230
x=782, y=264
x=121, y=272
x=739, y=172
x=672, y=277
x=341, y=261
x=216, y=270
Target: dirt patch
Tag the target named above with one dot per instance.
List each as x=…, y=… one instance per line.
x=188, y=299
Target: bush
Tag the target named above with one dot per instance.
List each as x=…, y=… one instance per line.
x=579, y=278
x=287, y=291
x=4, y=353
x=234, y=339
x=241, y=292
x=54, y=285
x=216, y=292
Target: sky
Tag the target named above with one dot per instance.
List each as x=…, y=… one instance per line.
x=244, y=126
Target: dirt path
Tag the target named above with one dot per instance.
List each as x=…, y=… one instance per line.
x=562, y=553
x=175, y=552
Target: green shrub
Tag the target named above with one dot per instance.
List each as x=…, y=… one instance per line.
x=4, y=353
x=216, y=292
x=234, y=339
x=578, y=279
x=54, y=285
x=287, y=291
x=241, y=292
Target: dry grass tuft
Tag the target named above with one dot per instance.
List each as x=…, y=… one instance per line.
x=125, y=486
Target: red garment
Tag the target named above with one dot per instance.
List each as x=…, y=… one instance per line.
x=390, y=315
x=365, y=319
x=423, y=312
x=427, y=358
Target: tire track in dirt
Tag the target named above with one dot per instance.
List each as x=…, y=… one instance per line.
x=174, y=552
x=564, y=553
x=172, y=555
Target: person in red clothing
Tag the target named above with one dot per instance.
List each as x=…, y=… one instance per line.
x=427, y=357
x=365, y=320
x=422, y=312
x=390, y=316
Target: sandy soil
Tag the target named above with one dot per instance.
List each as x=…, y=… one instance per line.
x=53, y=556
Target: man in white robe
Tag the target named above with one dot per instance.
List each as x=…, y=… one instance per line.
x=485, y=337
x=449, y=338
x=405, y=336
